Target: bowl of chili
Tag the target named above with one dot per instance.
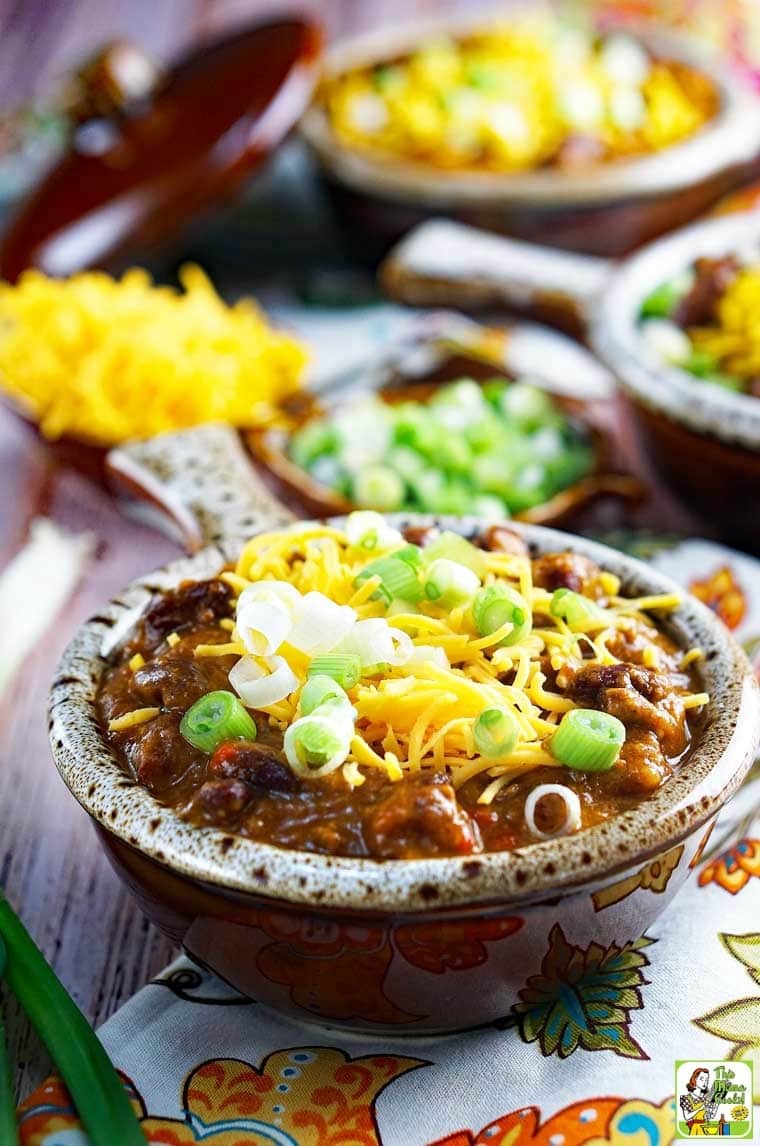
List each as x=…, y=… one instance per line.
x=281, y=809
x=518, y=128
x=693, y=407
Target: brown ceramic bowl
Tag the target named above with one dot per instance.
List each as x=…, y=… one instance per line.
x=703, y=439
x=440, y=349
x=608, y=208
x=407, y=946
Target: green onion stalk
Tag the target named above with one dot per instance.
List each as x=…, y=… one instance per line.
x=96, y=1089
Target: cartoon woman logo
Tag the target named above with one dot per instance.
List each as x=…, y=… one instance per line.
x=698, y=1105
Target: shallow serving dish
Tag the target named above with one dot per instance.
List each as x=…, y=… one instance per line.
x=404, y=945
x=441, y=348
x=703, y=438
x=608, y=208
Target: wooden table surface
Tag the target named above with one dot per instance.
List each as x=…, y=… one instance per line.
x=51, y=865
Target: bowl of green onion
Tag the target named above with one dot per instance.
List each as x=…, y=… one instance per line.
x=480, y=443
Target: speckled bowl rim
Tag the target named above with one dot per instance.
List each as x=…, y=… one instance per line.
x=731, y=138
x=211, y=856
x=614, y=333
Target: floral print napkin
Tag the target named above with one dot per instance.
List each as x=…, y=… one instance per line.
x=202, y=1064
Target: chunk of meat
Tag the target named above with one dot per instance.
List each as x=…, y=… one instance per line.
x=568, y=571
x=499, y=539
x=421, y=535
x=642, y=766
x=637, y=696
x=256, y=764
x=158, y=754
x=172, y=680
x=191, y=603
x=420, y=817
x=713, y=276
x=222, y=800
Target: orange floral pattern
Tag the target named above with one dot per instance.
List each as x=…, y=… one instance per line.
x=338, y=971
x=733, y=868
x=302, y=1096
x=591, y=1122
x=439, y=947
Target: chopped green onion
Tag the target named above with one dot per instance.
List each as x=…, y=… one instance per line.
x=378, y=487
x=498, y=604
x=411, y=554
x=456, y=548
x=369, y=530
x=448, y=583
x=313, y=440
x=662, y=301
x=490, y=507
x=96, y=1090
x=320, y=689
x=345, y=668
x=587, y=740
x=496, y=732
x=572, y=607
x=314, y=743
x=8, y=1127
x=700, y=363
x=527, y=406
x=216, y=717
x=397, y=579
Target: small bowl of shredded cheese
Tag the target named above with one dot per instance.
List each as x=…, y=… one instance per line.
x=100, y=360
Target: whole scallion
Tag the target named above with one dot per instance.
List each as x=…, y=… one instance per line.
x=95, y=1088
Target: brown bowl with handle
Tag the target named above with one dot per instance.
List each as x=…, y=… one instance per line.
x=702, y=438
x=605, y=208
x=395, y=945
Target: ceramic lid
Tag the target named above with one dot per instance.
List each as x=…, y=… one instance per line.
x=133, y=179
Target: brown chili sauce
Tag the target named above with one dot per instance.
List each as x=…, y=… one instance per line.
x=247, y=787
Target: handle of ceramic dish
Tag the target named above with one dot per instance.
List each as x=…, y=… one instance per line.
x=446, y=263
x=198, y=484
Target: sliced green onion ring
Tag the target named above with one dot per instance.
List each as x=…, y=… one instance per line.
x=448, y=583
x=216, y=717
x=496, y=732
x=316, y=745
x=345, y=668
x=572, y=607
x=397, y=576
x=319, y=689
x=456, y=548
x=587, y=740
x=497, y=605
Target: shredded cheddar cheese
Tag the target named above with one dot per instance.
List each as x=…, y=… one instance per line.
x=421, y=713
x=131, y=719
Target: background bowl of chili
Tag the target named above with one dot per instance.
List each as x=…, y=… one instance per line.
x=703, y=438
x=366, y=943
x=602, y=208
